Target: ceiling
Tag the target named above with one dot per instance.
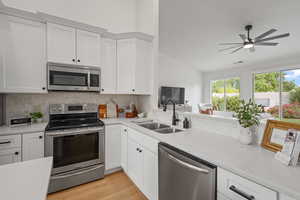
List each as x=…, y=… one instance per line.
x=191, y=30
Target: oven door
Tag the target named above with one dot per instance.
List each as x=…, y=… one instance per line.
x=67, y=78
x=73, y=150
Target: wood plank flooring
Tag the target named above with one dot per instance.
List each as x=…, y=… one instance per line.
x=116, y=186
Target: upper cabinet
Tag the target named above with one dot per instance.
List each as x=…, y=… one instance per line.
x=134, y=66
x=72, y=46
x=109, y=66
x=22, y=55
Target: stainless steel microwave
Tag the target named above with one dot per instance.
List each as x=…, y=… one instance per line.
x=63, y=77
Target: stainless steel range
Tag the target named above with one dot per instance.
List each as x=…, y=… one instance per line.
x=75, y=138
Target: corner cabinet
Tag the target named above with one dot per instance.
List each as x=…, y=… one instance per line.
x=22, y=55
x=109, y=66
x=73, y=46
x=134, y=66
x=32, y=146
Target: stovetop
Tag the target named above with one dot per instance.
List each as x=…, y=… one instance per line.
x=76, y=120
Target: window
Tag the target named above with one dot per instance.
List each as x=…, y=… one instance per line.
x=225, y=94
x=279, y=93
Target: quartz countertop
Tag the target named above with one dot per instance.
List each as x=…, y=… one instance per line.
x=249, y=161
x=33, y=128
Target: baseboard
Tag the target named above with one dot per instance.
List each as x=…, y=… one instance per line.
x=111, y=171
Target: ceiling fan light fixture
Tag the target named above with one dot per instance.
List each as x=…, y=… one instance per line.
x=248, y=46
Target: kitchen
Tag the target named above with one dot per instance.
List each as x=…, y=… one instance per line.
x=88, y=98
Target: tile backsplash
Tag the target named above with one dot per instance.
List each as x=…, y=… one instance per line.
x=20, y=104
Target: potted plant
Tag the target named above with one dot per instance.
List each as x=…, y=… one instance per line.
x=248, y=115
x=36, y=117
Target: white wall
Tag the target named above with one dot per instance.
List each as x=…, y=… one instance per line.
x=246, y=76
x=176, y=74
x=115, y=15
x=145, y=19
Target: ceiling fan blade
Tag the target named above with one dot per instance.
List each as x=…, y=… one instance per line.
x=266, y=44
x=237, y=50
x=243, y=36
x=265, y=34
x=252, y=49
x=231, y=43
x=274, y=37
x=220, y=50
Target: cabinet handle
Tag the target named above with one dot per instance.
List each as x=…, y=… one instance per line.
x=78, y=60
x=16, y=153
x=40, y=137
x=140, y=150
x=8, y=142
x=73, y=60
x=133, y=90
x=125, y=130
x=137, y=149
x=44, y=88
x=241, y=193
x=102, y=90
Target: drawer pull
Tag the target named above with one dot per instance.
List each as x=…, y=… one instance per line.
x=241, y=193
x=8, y=142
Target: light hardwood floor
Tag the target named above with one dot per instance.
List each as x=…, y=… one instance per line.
x=116, y=186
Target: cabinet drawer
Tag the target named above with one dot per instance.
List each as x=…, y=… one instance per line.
x=10, y=141
x=237, y=188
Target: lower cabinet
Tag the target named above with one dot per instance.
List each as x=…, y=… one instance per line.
x=124, y=135
x=8, y=156
x=142, y=166
x=33, y=146
x=112, y=147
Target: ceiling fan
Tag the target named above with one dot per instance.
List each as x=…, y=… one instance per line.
x=251, y=43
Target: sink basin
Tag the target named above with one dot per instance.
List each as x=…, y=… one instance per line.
x=168, y=130
x=153, y=126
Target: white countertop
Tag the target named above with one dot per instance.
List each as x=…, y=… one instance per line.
x=33, y=128
x=25, y=180
x=251, y=162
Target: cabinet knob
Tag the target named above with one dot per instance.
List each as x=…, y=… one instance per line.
x=73, y=60
x=16, y=153
x=40, y=137
x=133, y=90
x=44, y=88
x=125, y=130
x=102, y=90
x=137, y=149
x=78, y=60
x=140, y=150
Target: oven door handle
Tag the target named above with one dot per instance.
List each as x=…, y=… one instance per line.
x=74, y=174
x=74, y=132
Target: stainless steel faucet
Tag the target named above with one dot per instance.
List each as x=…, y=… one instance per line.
x=174, y=118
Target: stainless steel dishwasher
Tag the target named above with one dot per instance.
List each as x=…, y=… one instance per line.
x=185, y=177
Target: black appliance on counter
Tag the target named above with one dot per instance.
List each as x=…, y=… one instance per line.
x=2, y=110
x=75, y=138
x=176, y=94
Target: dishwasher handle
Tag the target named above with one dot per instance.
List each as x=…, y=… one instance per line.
x=187, y=165
x=241, y=193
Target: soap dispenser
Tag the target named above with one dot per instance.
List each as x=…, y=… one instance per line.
x=186, y=123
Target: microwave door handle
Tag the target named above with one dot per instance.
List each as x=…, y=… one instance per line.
x=89, y=79
x=187, y=165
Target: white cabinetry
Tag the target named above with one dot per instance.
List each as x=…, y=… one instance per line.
x=109, y=66
x=142, y=165
x=284, y=197
x=124, y=135
x=71, y=46
x=33, y=146
x=10, y=149
x=134, y=66
x=112, y=147
x=22, y=56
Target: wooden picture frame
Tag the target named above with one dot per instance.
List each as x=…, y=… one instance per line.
x=280, y=125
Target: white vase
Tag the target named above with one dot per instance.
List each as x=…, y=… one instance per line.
x=246, y=135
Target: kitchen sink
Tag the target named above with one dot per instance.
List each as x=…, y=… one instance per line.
x=153, y=126
x=168, y=130
x=159, y=128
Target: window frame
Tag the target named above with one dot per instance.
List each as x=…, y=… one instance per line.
x=224, y=87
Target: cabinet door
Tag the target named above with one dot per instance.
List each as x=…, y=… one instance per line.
x=126, y=60
x=124, y=141
x=109, y=66
x=150, y=175
x=112, y=147
x=33, y=146
x=143, y=67
x=10, y=156
x=22, y=55
x=135, y=163
x=88, y=48
x=61, y=44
